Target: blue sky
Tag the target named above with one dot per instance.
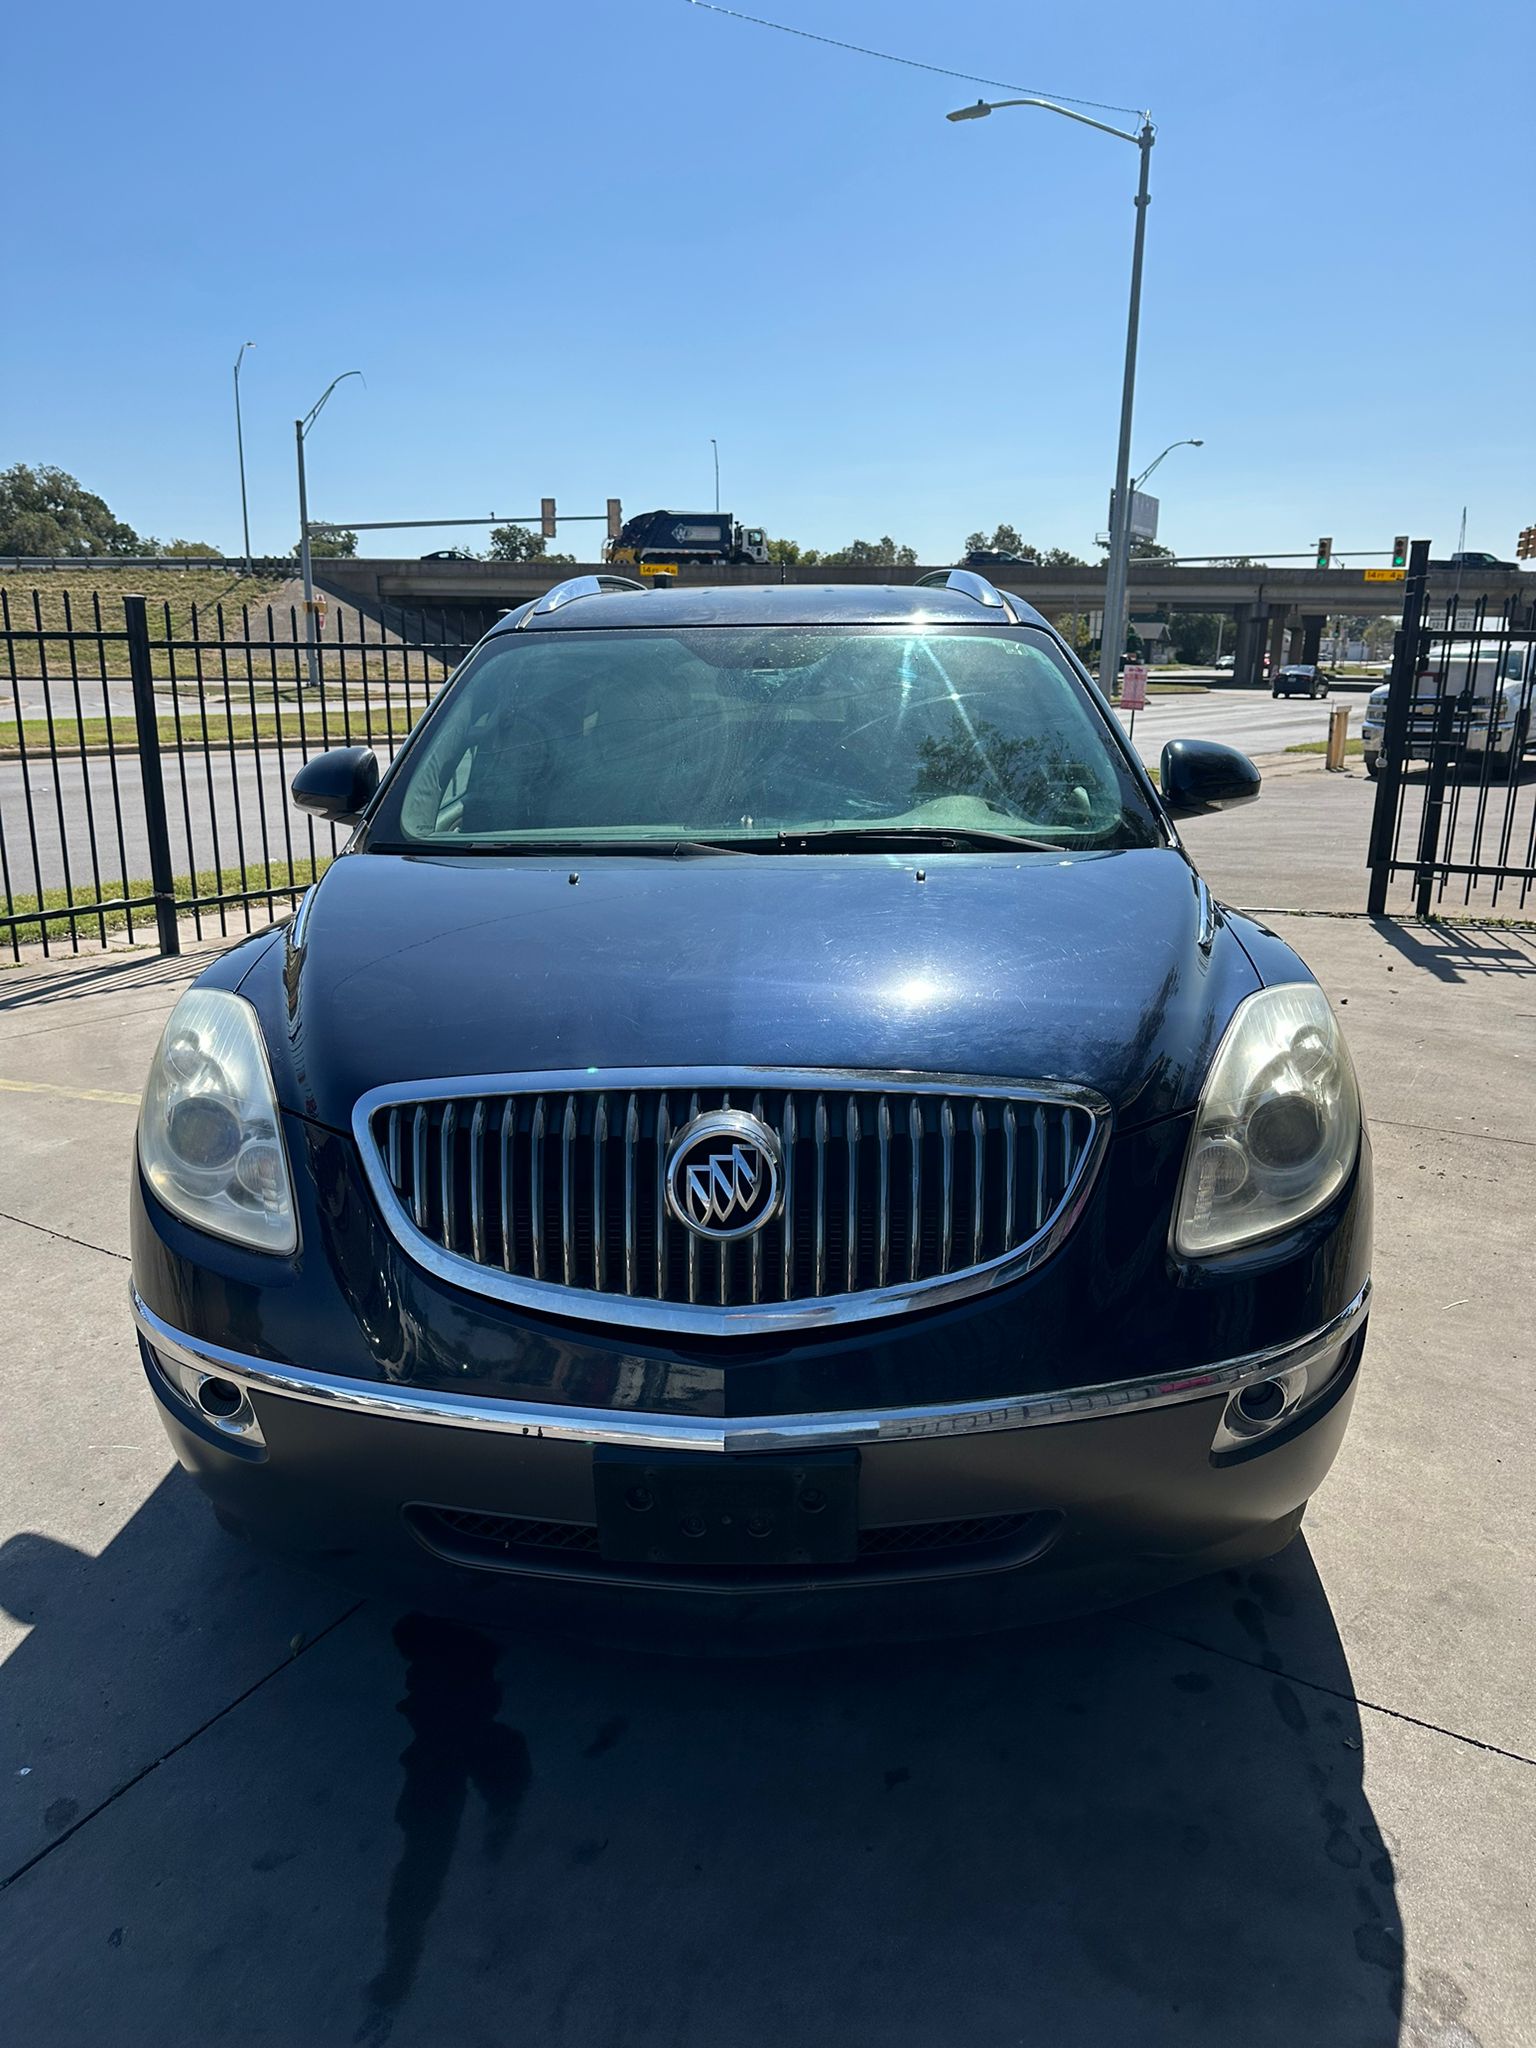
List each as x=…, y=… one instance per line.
x=566, y=245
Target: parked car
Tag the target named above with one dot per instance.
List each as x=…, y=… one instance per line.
x=1300, y=679
x=762, y=1130
x=1476, y=699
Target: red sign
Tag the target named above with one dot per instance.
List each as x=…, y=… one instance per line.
x=1133, y=687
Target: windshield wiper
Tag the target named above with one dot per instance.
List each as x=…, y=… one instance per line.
x=895, y=838
x=563, y=849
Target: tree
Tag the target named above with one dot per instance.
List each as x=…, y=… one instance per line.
x=1145, y=551
x=1194, y=634
x=339, y=545
x=785, y=552
x=516, y=544
x=190, y=547
x=884, y=553
x=1003, y=540
x=520, y=544
x=46, y=511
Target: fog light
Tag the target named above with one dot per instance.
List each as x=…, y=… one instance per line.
x=1262, y=1402
x=219, y=1399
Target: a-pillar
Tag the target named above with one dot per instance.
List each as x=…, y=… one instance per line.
x=1311, y=637
x=1277, y=625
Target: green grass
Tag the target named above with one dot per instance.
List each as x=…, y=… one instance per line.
x=1321, y=747
x=176, y=590
x=55, y=905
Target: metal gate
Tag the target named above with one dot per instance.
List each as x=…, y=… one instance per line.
x=146, y=751
x=1455, y=816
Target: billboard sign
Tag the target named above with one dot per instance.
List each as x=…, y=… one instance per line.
x=1144, y=511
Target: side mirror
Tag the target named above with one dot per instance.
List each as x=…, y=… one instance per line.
x=337, y=786
x=1201, y=774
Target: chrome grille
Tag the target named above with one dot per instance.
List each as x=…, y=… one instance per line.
x=553, y=1194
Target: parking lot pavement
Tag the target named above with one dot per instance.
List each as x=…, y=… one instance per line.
x=1289, y=1805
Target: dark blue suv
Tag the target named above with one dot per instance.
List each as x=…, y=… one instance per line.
x=763, y=1127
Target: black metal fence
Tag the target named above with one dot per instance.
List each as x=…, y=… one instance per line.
x=145, y=757
x=1455, y=815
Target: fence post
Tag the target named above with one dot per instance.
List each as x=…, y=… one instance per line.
x=152, y=774
x=1406, y=653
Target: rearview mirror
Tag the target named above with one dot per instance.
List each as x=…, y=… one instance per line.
x=1202, y=774
x=337, y=786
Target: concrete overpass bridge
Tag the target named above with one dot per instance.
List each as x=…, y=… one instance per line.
x=1280, y=611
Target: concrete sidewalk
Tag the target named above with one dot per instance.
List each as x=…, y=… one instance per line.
x=1291, y=1806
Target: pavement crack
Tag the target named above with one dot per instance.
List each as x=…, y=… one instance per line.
x=1333, y=1692
x=63, y=1236
x=1396, y=1123
x=177, y=1747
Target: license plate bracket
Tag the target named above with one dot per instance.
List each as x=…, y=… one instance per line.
x=707, y=1509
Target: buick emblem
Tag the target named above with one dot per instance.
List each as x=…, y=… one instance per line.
x=723, y=1174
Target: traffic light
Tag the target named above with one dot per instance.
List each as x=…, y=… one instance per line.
x=615, y=518
x=547, y=518
x=1324, y=553
x=1525, y=547
x=1400, y=552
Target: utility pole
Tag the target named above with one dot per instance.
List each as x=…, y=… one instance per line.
x=245, y=517
x=1117, y=571
x=306, y=569
x=716, y=446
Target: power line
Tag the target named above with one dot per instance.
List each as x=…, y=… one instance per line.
x=912, y=63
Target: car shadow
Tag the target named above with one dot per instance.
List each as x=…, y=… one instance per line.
x=1146, y=1827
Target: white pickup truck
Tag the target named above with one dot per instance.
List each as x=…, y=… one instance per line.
x=1489, y=685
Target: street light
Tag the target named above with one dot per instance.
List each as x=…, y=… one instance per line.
x=1166, y=452
x=716, y=446
x=300, y=431
x=245, y=517
x=1116, y=574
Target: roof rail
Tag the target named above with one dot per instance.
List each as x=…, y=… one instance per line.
x=572, y=588
x=969, y=584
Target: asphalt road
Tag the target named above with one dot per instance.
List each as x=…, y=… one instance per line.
x=1294, y=1805
x=1255, y=724
x=234, y=807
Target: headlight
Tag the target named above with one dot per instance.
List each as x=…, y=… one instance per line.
x=1278, y=1124
x=210, y=1141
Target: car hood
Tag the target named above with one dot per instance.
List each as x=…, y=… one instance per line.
x=1106, y=970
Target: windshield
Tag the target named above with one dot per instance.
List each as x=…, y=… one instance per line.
x=744, y=734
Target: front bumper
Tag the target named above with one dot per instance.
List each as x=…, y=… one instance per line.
x=1036, y=1505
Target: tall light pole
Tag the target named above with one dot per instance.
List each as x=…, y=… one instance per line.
x=245, y=517
x=1117, y=571
x=300, y=433
x=716, y=446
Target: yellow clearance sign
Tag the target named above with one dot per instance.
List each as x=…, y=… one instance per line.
x=1385, y=575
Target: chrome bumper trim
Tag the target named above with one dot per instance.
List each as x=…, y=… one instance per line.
x=747, y=1432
